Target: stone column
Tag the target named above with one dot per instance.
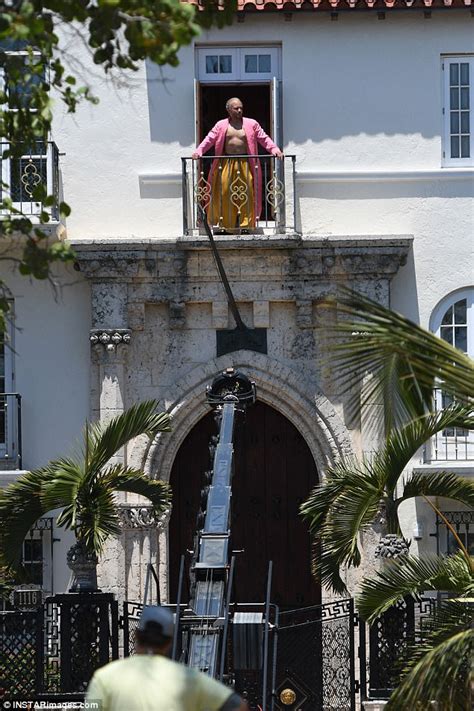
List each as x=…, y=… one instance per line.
x=110, y=339
x=110, y=346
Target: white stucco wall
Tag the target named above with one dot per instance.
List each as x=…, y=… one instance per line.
x=362, y=102
x=51, y=367
x=361, y=111
x=51, y=361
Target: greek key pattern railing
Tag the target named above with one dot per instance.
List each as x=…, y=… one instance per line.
x=55, y=648
x=315, y=660
x=241, y=194
x=389, y=637
x=313, y=664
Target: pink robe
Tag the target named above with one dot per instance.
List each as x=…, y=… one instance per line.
x=255, y=135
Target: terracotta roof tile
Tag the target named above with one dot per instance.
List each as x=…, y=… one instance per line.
x=332, y=5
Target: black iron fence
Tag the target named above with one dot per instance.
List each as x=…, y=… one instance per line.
x=10, y=431
x=321, y=658
x=37, y=166
x=383, y=645
x=315, y=658
x=54, y=648
x=241, y=194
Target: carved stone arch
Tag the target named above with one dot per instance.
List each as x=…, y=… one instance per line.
x=295, y=396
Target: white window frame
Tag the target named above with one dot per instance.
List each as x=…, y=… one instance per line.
x=452, y=442
x=238, y=73
x=27, y=207
x=446, y=61
x=448, y=301
x=9, y=447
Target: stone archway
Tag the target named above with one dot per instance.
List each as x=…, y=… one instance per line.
x=293, y=394
x=274, y=473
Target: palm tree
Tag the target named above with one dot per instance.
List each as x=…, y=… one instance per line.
x=439, y=665
x=407, y=363
x=84, y=487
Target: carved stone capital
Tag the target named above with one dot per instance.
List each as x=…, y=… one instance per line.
x=139, y=516
x=110, y=338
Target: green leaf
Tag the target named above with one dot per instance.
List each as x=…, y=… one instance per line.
x=411, y=576
x=64, y=209
x=83, y=487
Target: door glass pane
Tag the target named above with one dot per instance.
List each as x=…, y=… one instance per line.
x=454, y=122
x=453, y=74
x=464, y=122
x=225, y=64
x=265, y=63
x=211, y=64
x=465, y=97
x=454, y=147
x=454, y=98
x=465, y=73
x=251, y=63
x=465, y=148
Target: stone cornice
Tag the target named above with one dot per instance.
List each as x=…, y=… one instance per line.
x=246, y=258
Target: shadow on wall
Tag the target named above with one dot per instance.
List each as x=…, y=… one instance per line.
x=326, y=189
x=355, y=95
x=404, y=290
x=171, y=102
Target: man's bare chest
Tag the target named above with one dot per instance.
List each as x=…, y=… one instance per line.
x=235, y=133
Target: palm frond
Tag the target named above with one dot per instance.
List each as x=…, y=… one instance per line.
x=63, y=483
x=97, y=518
x=412, y=576
x=439, y=667
x=106, y=439
x=405, y=359
x=20, y=507
x=121, y=478
x=402, y=444
x=445, y=484
x=337, y=511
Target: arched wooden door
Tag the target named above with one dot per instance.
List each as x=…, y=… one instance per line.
x=274, y=473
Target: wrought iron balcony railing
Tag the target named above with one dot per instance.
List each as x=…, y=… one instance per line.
x=451, y=444
x=241, y=194
x=38, y=165
x=463, y=523
x=10, y=431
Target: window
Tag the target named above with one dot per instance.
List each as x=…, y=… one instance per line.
x=458, y=80
x=249, y=64
x=9, y=401
x=32, y=559
x=38, y=164
x=453, y=321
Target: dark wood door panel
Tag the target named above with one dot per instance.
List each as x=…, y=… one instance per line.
x=274, y=472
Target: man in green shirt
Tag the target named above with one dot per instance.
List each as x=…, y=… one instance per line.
x=149, y=681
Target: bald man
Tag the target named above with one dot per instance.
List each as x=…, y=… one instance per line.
x=236, y=181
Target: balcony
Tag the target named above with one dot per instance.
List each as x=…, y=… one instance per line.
x=38, y=165
x=222, y=186
x=10, y=431
x=452, y=444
